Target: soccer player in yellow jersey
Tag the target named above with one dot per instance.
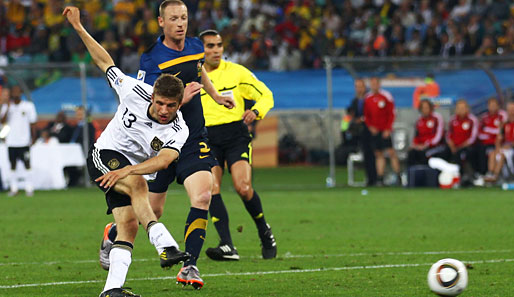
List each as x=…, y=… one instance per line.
x=230, y=142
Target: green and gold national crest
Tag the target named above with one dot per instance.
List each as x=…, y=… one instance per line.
x=156, y=144
x=113, y=163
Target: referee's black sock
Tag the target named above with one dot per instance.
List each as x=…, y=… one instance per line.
x=254, y=208
x=194, y=233
x=219, y=217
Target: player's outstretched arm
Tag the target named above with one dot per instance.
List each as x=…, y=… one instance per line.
x=100, y=56
x=165, y=157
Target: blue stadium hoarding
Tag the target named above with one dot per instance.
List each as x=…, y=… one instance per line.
x=305, y=89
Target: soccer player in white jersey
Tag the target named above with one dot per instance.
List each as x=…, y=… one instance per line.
x=145, y=136
x=20, y=116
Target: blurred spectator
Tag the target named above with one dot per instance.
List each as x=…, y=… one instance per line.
x=487, y=48
x=124, y=12
x=147, y=29
x=60, y=128
x=461, y=136
x=461, y=10
x=480, y=7
x=20, y=115
x=428, y=136
x=500, y=9
x=221, y=20
x=111, y=45
x=506, y=41
x=429, y=89
x=130, y=57
x=504, y=148
x=16, y=12
x=77, y=135
x=277, y=59
x=414, y=45
x=431, y=45
x=81, y=55
x=293, y=58
x=490, y=125
x=359, y=133
x=53, y=13
x=257, y=31
x=379, y=118
x=46, y=138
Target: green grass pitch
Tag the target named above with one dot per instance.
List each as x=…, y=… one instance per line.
x=331, y=242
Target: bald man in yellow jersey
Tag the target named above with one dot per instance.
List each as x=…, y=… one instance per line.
x=230, y=142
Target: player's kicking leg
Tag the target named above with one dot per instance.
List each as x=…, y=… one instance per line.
x=157, y=201
x=127, y=218
x=133, y=191
x=198, y=186
x=225, y=251
x=242, y=178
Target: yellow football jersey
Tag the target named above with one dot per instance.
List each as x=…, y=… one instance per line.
x=231, y=79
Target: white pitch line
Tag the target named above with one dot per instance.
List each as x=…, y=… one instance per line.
x=288, y=255
x=325, y=269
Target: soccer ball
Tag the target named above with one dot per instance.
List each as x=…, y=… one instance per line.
x=448, y=277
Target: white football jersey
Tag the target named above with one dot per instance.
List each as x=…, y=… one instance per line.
x=19, y=118
x=132, y=132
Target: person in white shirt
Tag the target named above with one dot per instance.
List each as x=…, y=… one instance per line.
x=145, y=135
x=20, y=115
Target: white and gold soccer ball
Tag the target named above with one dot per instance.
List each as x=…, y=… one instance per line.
x=448, y=277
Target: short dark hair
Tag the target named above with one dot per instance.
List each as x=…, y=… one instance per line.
x=208, y=32
x=169, y=86
x=426, y=101
x=167, y=3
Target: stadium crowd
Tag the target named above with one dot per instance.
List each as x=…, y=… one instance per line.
x=270, y=34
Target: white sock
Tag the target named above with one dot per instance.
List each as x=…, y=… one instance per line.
x=120, y=259
x=29, y=188
x=13, y=181
x=160, y=237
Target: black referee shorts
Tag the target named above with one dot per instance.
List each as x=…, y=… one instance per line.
x=230, y=143
x=99, y=162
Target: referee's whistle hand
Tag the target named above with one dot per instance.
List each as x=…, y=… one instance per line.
x=226, y=101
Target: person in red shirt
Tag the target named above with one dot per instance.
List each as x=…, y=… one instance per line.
x=490, y=125
x=428, y=139
x=462, y=134
x=379, y=118
x=504, y=150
